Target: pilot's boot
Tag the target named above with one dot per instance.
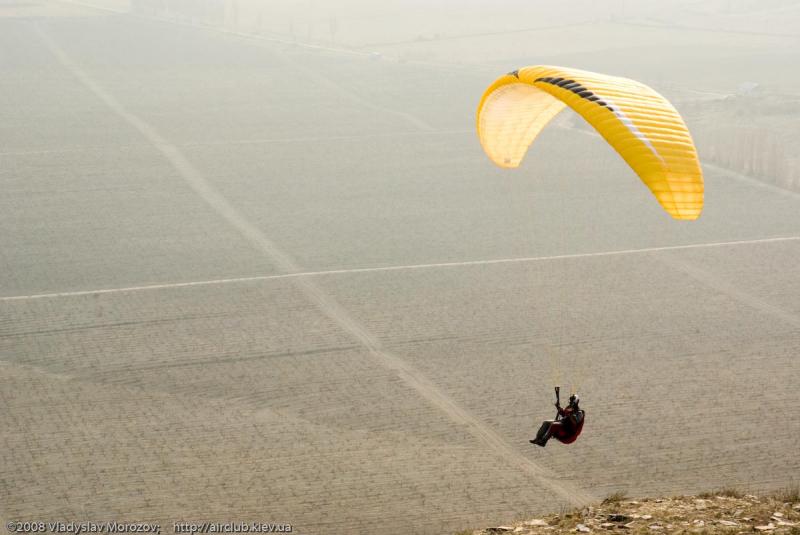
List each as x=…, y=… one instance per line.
x=543, y=435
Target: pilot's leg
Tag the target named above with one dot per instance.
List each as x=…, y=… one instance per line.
x=544, y=434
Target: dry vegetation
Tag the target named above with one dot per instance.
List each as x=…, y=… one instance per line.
x=727, y=511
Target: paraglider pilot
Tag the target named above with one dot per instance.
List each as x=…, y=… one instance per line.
x=567, y=425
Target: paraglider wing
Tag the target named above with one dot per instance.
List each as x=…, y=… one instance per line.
x=641, y=125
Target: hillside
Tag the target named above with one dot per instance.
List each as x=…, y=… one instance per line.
x=728, y=512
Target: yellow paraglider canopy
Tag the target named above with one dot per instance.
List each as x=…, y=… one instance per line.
x=641, y=125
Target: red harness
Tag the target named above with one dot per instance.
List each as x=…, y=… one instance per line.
x=569, y=428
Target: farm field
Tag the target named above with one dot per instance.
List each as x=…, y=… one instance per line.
x=244, y=280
